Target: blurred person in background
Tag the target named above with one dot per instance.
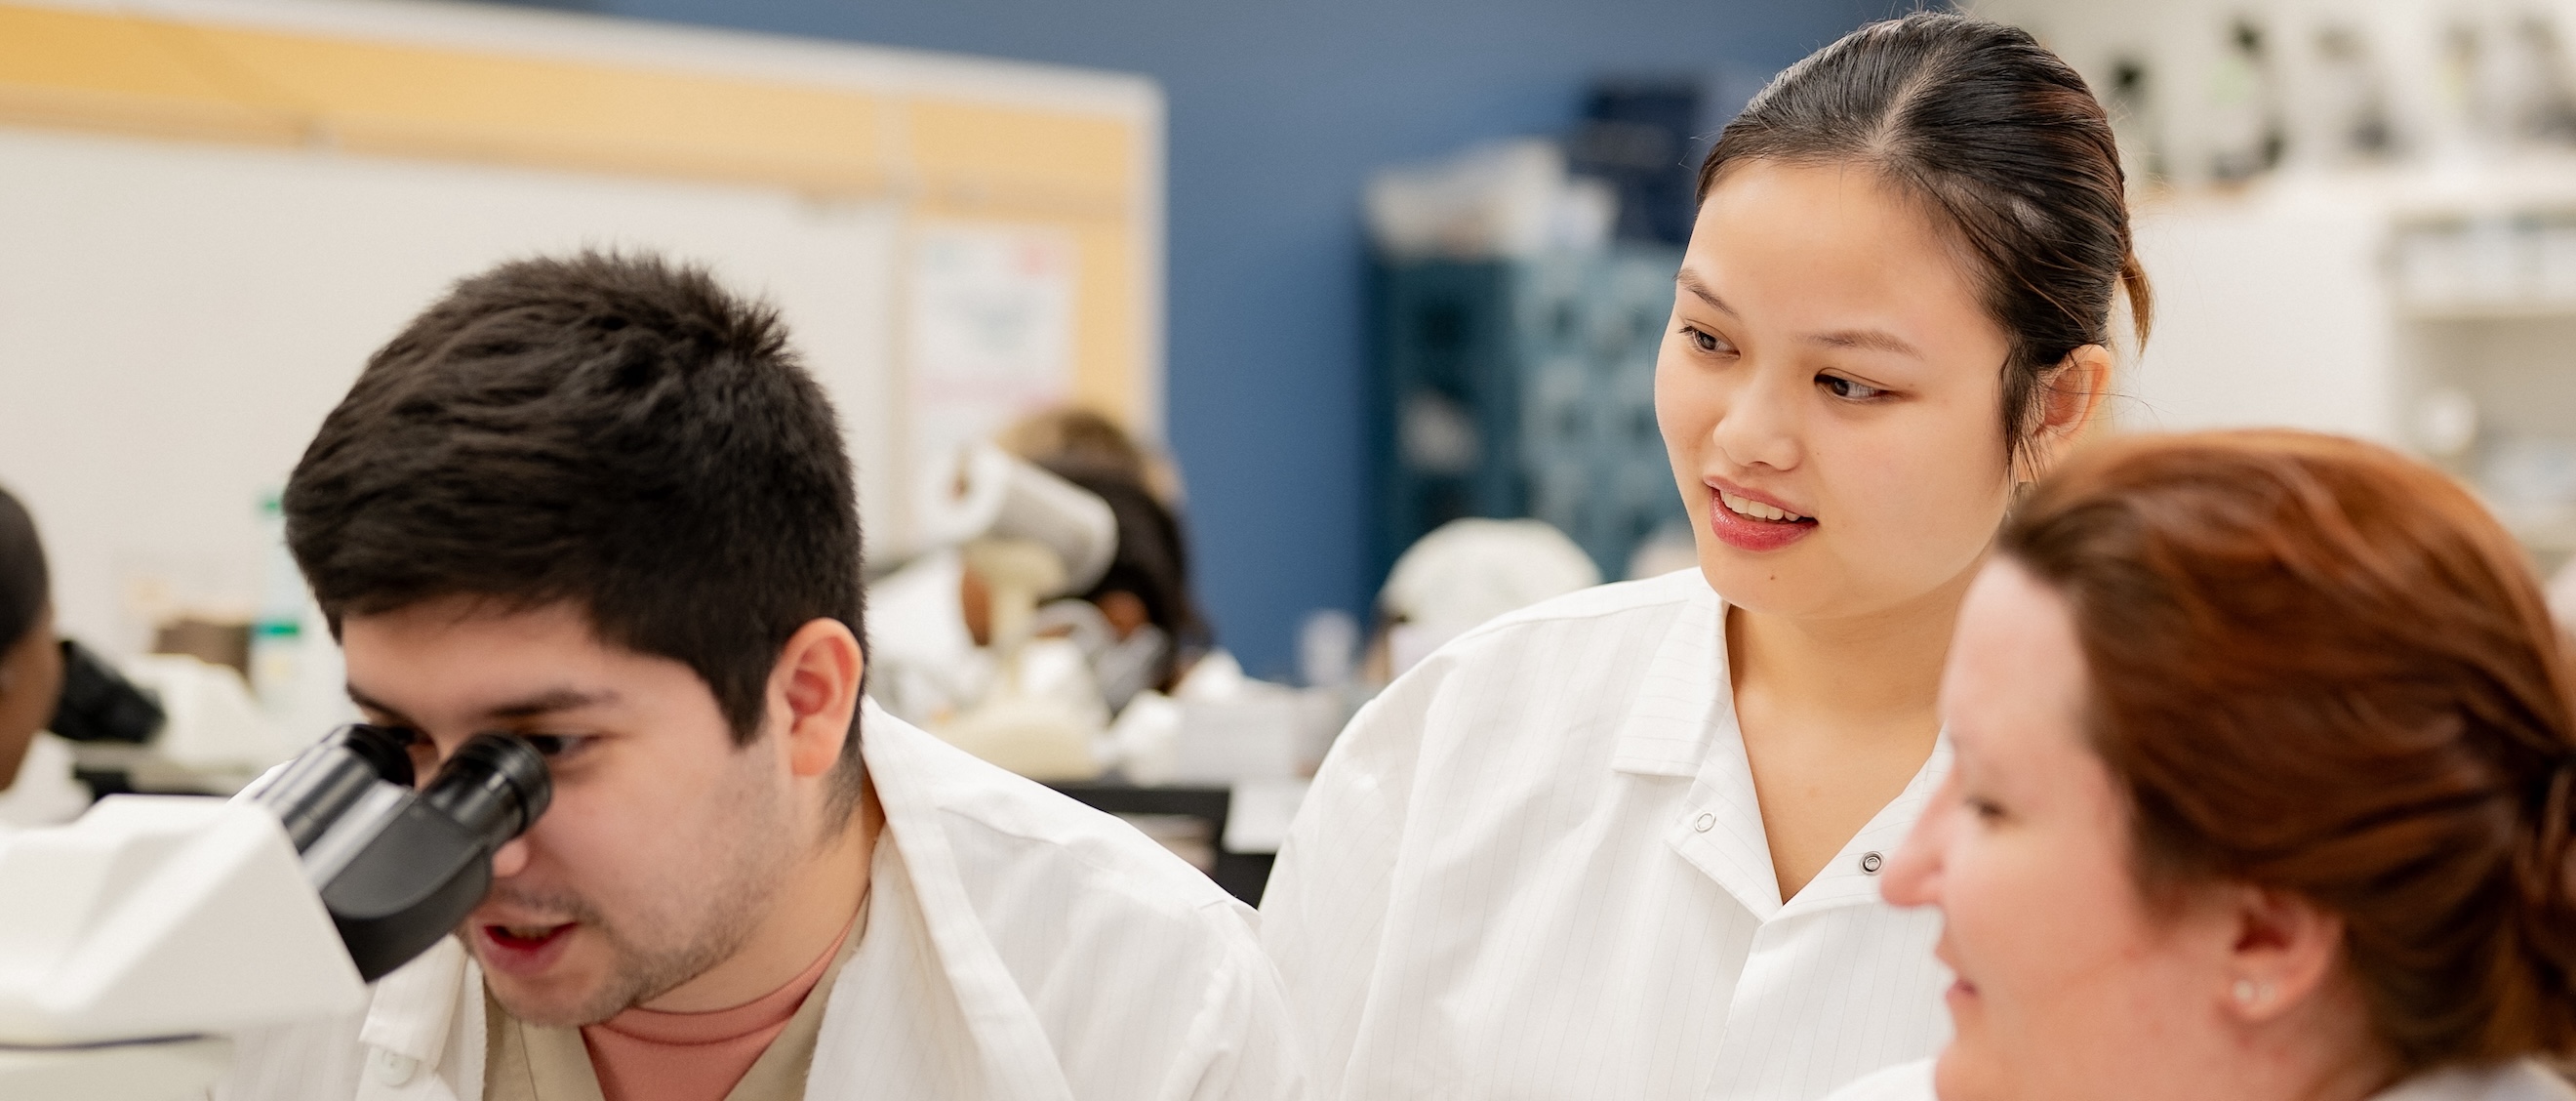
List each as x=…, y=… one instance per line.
x=1071, y=440
x=1625, y=843
x=2266, y=751
x=1143, y=628
x=36, y=784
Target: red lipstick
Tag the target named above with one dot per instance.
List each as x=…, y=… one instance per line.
x=1751, y=533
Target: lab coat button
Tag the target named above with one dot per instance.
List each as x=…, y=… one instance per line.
x=1869, y=863
x=394, y=1068
x=1705, y=822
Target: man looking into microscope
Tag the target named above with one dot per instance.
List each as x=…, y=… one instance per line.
x=598, y=503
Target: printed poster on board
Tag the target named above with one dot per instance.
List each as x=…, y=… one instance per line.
x=989, y=329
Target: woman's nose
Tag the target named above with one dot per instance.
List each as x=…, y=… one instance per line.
x=1759, y=427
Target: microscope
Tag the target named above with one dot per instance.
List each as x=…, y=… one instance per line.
x=135, y=940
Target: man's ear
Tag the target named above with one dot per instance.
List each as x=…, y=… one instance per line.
x=815, y=685
x=2071, y=397
x=2286, y=950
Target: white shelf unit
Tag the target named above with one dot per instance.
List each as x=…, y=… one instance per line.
x=2377, y=298
x=2290, y=302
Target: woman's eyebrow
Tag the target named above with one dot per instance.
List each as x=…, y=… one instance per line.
x=1867, y=340
x=1692, y=283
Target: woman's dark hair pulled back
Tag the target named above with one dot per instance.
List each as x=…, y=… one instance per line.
x=2006, y=148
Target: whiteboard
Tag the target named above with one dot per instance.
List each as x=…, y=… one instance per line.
x=177, y=318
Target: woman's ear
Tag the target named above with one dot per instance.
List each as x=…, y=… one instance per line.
x=2285, y=952
x=2070, y=399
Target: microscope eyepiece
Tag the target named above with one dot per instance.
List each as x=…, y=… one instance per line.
x=398, y=868
x=387, y=749
x=311, y=792
x=495, y=786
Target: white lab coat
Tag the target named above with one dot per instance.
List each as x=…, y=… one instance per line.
x=2515, y=1081
x=1534, y=868
x=1019, y=947
x=45, y=792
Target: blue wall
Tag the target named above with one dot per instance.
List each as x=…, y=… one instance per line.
x=1279, y=111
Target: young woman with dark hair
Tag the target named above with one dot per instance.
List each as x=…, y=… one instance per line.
x=2266, y=745
x=1627, y=843
x=31, y=664
x=36, y=785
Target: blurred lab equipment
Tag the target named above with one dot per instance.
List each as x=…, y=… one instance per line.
x=154, y=926
x=99, y=705
x=1470, y=571
x=1507, y=198
x=1043, y=711
x=2530, y=94
x=2245, y=126
x=986, y=493
x=2130, y=100
x=216, y=737
x=953, y=633
x=1216, y=769
x=1221, y=727
x=2348, y=105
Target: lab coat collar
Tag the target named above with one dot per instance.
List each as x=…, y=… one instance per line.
x=424, y=1028
x=1683, y=723
x=1684, y=695
x=1852, y=879
x=423, y=1033
x=1002, y=1028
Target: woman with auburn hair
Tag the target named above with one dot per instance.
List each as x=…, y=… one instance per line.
x=1626, y=843
x=2265, y=750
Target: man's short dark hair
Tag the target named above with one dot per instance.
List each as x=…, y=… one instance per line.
x=611, y=430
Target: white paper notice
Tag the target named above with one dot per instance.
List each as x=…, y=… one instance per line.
x=990, y=329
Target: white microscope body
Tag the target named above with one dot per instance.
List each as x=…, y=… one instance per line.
x=135, y=940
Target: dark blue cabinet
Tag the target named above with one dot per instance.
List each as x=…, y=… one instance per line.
x=1522, y=388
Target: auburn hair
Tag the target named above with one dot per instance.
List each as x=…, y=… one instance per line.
x=2320, y=667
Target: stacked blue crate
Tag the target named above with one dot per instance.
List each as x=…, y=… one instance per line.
x=1522, y=388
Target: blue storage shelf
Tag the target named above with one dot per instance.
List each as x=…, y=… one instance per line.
x=1522, y=388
